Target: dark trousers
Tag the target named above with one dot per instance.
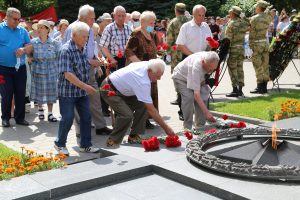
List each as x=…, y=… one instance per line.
x=14, y=86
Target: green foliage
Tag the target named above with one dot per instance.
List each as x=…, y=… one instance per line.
x=246, y=6
x=27, y=7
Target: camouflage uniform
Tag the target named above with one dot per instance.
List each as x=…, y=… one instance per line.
x=172, y=33
x=258, y=43
x=235, y=32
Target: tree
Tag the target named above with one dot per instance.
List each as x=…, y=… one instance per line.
x=246, y=6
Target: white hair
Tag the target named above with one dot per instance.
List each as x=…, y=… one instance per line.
x=147, y=15
x=156, y=64
x=211, y=57
x=119, y=9
x=79, y=27
x=85, y=10
x=12, y=10
x=196, y=7
x=135, y=14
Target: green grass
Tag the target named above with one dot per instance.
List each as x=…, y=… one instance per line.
x=5, y=152
x=257, y=107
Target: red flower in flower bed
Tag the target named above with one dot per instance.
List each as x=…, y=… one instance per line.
x=238, y=125
x=188, y=135
x=174, y=47
x=111, y=93
x=106, y=87
x=151, y=144
x=225, y=117
x=172, y=141
x=213, y=130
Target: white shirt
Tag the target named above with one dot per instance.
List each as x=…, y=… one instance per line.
x=191, y=71
x=193, y=36
x=133, y=80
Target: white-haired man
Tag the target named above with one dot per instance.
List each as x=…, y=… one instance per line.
x=132, y=102
x=192, y=35
x=115, y=37
x=86, y=14
x=189, y=80
x=73, y=87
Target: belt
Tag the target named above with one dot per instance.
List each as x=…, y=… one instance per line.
x=262, y=40
x=111, y=85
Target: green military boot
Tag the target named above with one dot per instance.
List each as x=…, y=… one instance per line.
x=234, y=92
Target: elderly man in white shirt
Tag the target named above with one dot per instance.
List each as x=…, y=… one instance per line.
x=132, y=102
x=192, y=35
x=189, y=80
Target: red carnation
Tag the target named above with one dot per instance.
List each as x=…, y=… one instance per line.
x=172, y=141
x=212, y=43
x=225, y=117
x=151, y=144
x=109, y=65
x=111, y=93
x=158, y=47
x=174, y=47
x=188, y=135
x=213, y=130
x=120, y=55
x=106, y=87
x=165, y=46
x=241, y=124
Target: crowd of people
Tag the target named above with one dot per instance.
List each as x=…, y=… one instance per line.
x=118, y=53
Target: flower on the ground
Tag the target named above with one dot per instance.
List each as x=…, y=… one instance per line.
x=225, y=117
x=240, y=124
x=151, y=144
x=213, y=130
x=188, y=135
x=172, y=141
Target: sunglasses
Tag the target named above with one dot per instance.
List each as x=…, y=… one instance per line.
x=136, y=20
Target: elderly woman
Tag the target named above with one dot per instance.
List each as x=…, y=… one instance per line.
x=141, y=46
x=62, y=27
x=44, y=70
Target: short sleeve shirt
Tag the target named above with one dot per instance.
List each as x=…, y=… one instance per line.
x=10, y=41
x=193, y=36
x=133, y=80
x=191, y=71
x=72, y=59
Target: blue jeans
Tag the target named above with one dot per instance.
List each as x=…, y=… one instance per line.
x=66, y=107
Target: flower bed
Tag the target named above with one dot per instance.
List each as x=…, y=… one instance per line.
x=288, y=109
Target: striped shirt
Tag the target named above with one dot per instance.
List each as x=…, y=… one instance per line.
x=44, y=56
x=115, y=39
x=71, y=59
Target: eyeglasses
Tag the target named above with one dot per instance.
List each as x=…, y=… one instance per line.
x=136, y=20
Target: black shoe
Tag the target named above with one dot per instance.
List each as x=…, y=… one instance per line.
x=5, y=123
x=175, y=102
x=258, y=89
x=240, y=91
x=149, y=125
x=23, y=123
x=234, y=92
x=106, y=113
x=180, y=115
x=103, y=131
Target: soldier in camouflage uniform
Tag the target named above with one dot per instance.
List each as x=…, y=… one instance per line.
x=258, y=43
x=172, y=33
x=235, y=32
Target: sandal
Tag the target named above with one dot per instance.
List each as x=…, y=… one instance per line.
x=134, y=139
x=41, y=114
x=111, y=143
x=51, y=118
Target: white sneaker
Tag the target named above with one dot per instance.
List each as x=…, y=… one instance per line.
x=62, y=150
x=90, y=149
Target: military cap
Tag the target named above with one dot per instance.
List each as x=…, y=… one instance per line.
x=262, y=4
x=180, y=7
x=236, y=10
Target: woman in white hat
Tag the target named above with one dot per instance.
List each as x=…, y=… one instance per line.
x=44, y=69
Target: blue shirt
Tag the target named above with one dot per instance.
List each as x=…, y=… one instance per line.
x=44, y=56
x=90, y=44
x=10, y=41
x=71, y=59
